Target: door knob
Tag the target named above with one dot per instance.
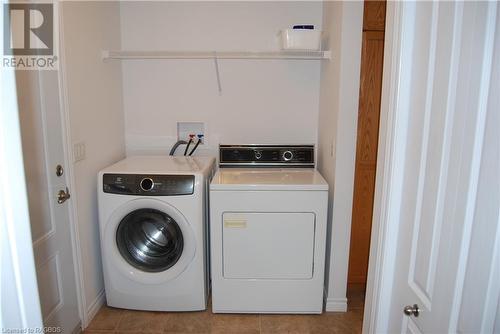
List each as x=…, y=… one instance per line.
x=63, y=196
x=411, y=310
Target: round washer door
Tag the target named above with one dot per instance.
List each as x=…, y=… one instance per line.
x=149, y=241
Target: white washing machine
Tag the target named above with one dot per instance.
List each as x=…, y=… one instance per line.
x=153, y=216
x=268, y=212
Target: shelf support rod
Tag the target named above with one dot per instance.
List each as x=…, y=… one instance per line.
x=217, y=74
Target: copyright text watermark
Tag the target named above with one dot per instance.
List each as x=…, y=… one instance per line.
x=31, y=330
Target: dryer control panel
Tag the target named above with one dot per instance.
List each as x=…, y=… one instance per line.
x=148, y=185
x=266, y=156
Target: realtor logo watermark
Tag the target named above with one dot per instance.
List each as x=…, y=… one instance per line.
x=29, y=36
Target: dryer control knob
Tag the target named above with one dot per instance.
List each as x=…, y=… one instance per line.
x=287, y=155
x=147, y=184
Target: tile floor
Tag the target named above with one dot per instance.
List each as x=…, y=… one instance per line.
x=112, y=320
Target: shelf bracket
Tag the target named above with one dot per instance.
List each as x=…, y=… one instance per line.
x=217, y=74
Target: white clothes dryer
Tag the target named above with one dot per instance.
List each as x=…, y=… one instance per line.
x=268, y=213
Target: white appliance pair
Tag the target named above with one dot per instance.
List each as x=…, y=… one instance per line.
x=267, y=231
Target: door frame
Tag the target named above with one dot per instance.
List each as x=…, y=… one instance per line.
x=70, y=176
x=388, y=189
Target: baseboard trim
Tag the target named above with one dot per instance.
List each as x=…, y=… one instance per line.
x=78, y=329
x=94, y=308
x=336, y=305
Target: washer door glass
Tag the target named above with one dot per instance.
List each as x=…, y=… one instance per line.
x=149, y=240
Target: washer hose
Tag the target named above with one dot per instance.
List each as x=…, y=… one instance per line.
x=179, y=142
x=187, y=146
x=195, y=146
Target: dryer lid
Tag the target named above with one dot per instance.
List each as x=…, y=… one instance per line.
x=268, y=179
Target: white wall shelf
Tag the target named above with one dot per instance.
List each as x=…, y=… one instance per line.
x=293, y=55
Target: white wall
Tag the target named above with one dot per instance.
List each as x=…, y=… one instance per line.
x=338, y=115
x=94, y=101
x=262, y=101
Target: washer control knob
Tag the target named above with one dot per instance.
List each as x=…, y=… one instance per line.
x=287, y=155
x=147, y=184
x=258, y=154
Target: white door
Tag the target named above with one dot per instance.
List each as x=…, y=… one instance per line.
x=444, y=84
x=19, y=307
x=43, y=151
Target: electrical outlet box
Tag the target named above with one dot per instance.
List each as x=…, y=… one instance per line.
x=184, y=129
x=79, y=151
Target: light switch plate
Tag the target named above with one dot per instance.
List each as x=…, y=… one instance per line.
x=79, y=151
x=184, y=129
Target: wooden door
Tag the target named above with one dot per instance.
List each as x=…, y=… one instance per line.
x=366, y=151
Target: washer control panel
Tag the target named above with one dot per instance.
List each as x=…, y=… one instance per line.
x=148, y=185
x=266, y=156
